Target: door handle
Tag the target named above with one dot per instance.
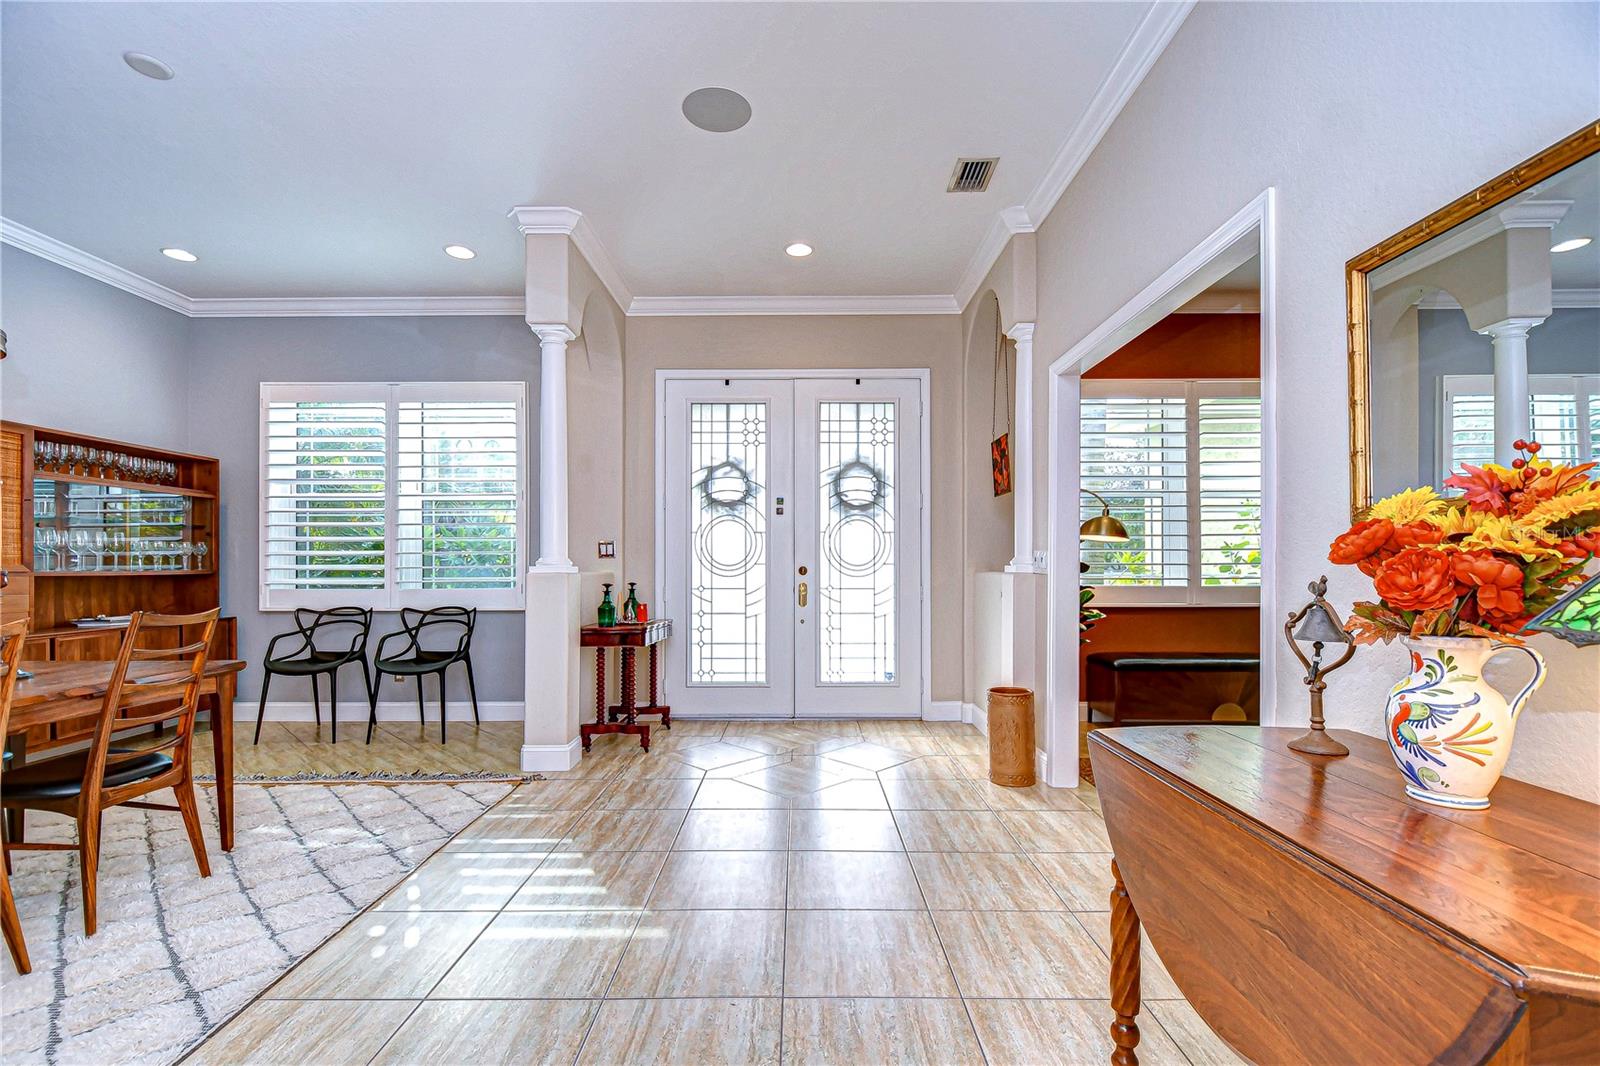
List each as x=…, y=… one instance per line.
x=800, y=593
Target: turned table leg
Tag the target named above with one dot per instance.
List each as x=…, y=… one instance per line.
x=1124, y=973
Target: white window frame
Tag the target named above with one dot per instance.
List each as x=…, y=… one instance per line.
x=1585, y=387
x=1191, y=390
x=392, y=394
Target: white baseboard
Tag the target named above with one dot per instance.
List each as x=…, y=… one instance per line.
x=942, y=711
x=1041, y=765
x=355, y=710
x=974, y=715
x=554, y=757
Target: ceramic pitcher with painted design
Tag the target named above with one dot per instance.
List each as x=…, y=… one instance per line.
x=1449, y=729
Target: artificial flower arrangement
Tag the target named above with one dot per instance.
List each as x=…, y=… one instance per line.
x=1479, y=565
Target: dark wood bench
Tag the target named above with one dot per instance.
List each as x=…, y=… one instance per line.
x=1176, y=688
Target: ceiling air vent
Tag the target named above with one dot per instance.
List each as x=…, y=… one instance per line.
x=972, y=175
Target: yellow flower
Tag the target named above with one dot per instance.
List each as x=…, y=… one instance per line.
x=1506, y=535
x=1412, y=505
x=1458, y=521
x=1562, y=508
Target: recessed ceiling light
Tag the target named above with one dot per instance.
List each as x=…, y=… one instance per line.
x=149, y=66
x=459, y=251
x=799, y=249
x=180, y=255
x=1572, y=245
x=716, y=110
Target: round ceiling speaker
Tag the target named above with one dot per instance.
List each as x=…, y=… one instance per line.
x=716, y=110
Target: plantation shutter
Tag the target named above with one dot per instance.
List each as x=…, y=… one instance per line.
x=325, y=480
x=391, y=495
x=1135, y=454
x=1230, y=490
x=457, y=495
x=1564, y=417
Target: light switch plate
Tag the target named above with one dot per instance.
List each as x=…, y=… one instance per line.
x=608, y=549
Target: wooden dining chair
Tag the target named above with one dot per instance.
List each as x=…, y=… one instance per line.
x=12, y=637
x=83, y=785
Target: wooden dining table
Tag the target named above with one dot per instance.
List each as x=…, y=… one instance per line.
x=59, y=691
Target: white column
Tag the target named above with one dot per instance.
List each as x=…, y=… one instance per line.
x=1511, y=420
x=553, y=556
x=1022, y=558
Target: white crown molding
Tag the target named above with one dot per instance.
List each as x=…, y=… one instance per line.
x=1439, y=300
x=1006, y=224
x=656, y=306
x=31, y=240
x=571, y=222
x=354, y=306
x=1138, y=55
x=1223, y=303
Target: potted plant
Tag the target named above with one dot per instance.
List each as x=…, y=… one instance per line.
x=1457, y=579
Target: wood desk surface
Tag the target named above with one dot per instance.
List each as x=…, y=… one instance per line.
x=1322, y=872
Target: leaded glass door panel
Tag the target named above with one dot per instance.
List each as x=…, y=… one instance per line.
x=858, y=534
x=728, y=547
x=792, y=546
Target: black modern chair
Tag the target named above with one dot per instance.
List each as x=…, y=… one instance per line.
x=329, y=640
x=439, y=625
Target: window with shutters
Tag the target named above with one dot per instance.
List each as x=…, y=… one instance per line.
x=392, y=495
x=1179, y=462
x=1563, y=410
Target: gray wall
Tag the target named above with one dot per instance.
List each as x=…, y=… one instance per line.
x=1568, y=342
x=230, y=357
x=90, y=358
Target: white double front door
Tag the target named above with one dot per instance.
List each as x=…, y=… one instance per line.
x=792, y=519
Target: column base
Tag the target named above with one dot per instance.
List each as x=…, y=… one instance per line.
x=551, y=757
x=551, y=685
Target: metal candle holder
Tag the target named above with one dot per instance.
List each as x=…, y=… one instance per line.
x=1318, y=624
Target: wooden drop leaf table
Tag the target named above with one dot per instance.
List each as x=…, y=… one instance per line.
x=627, y=637
x=1312, y=912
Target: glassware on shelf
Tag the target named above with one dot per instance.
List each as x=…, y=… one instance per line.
x=97, y=547
x=200, y=551
x=119, y=550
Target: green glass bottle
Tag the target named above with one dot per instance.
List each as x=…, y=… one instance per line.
x=630, y=606
x=608, y=610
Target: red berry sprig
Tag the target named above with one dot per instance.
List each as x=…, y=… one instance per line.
x=1530, y=447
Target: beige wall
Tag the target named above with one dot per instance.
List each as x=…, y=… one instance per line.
x=1362, y=133
x=798, y=343
x=986, y=518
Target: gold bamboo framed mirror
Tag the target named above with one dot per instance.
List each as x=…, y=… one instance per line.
x=1494, y=296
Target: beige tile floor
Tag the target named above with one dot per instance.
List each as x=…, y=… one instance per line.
x=839, y=892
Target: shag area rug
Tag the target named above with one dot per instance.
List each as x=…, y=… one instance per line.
x=177, y=955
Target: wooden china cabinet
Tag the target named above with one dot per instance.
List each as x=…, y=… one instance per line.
x=93, y=527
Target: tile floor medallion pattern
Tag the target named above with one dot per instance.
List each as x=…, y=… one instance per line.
x=176, y=954
x=799, y=892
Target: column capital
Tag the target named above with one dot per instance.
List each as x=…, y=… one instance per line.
x=1510, y=327
x=1022, y=331
x=552, y=334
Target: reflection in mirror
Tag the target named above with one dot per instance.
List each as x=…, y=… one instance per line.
x=1487, y=334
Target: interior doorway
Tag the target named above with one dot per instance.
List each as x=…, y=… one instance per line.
x=1230, y=251
x=792, y=542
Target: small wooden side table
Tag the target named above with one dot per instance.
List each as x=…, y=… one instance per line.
x=626, y=637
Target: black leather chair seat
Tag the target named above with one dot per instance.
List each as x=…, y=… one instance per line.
x=318, y=662
x=423, y=662
x=62, y=777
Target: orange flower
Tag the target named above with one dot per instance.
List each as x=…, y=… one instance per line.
x=1495, y=583
x=1485, y=487
x=1417, y=579
x=1415, y=535
x=1580, y=545
x=1365, y=544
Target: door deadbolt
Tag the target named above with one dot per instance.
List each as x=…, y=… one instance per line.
x=802, y=571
